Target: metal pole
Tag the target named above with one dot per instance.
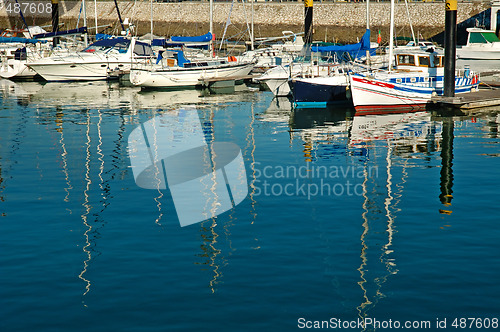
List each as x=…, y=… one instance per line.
x=95, y=18
x=308, y=21
x=55, y=20
x=212, y=50
x=86, y=36
x=253, y=37
x=450, y=47
x=391, y=37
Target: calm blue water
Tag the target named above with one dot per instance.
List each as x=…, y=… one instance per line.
x=348, y=217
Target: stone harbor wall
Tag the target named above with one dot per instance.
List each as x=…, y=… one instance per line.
x=342, y=22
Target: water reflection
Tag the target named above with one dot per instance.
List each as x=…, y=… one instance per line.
x=91, y=150
x=324, y=132
x=387, y=142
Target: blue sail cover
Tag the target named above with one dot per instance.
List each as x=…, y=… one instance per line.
x=21, y=40
x=354, y=50
x=197, y=39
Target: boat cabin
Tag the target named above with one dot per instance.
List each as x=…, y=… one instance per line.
x=481, y=36
x=415, y=60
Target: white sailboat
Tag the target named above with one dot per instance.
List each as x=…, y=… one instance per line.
x=173, y=70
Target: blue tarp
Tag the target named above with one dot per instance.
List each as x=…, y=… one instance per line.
x=181, y=59
x=354, y=50
x=203, y=38
x=159, y=42
x=20, y=40
x=61, y=33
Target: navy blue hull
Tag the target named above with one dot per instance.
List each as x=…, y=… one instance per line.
x=317, y=94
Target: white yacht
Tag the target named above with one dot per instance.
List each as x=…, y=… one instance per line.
x=482, y=51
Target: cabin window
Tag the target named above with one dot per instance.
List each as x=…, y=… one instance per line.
x=423, y=61
x=437, y=61
x=142, y=49
x=405, y=59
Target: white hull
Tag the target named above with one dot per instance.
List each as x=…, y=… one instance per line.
x=16, y=68
x=479, y=52
x=482, y=52
x=178, y=77
x=77, y=71
x=279, y=86
x=370, y=94
x=276, y=78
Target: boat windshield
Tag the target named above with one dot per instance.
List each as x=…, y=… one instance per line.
x=143, y=49
x=106, y=45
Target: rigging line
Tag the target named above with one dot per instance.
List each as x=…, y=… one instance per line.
x=228, y=22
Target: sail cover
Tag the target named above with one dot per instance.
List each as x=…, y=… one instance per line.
x=355, y=50
x=21, y=40
x=203, y=38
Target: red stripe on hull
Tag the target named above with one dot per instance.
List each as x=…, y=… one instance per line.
x=388, y=109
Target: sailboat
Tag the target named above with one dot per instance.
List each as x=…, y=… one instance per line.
x=172, y=70
x=176, y=71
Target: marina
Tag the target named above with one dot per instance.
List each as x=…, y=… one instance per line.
x=223, y=180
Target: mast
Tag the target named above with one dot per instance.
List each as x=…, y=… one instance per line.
x=151, y=22
x=391, y=37
x=86, y=37
x=252, y=30
x=95, y=14
x=212, y=27
x=367, y=14
x=368, y=28
x=55, y=21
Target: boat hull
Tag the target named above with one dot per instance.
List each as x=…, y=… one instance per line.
x=319, y=91
x=278, y=86
x=186, y=77
x=76, y=71
x=371, y=94
x=16, y=69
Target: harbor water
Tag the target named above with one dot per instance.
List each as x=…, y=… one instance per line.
x=351, y=222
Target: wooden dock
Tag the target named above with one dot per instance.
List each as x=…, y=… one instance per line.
x=482, y=98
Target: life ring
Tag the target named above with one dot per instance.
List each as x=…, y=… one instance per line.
x=232, y=58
